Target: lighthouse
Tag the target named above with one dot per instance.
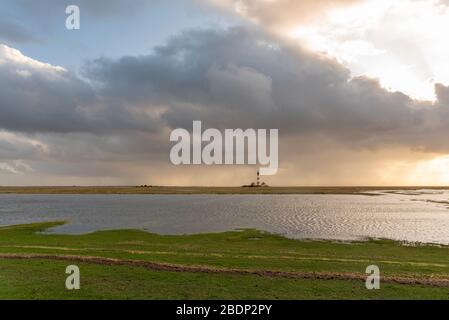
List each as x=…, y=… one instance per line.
x=258, y=178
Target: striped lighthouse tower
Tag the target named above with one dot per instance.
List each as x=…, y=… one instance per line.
x=258, y=178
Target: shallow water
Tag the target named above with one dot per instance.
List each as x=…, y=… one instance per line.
x=406, y=216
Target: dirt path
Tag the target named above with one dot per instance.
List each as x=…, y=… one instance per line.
x=435, y=282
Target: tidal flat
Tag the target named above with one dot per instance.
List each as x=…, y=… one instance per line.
x=364, y=190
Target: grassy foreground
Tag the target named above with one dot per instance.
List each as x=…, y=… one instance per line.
x=247, y=264
x=205, y=190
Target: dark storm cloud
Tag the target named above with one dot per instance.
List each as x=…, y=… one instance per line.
x=235, y=77
x=37, y=97
x=114, y=120
x=242, y=78
x=121, y=111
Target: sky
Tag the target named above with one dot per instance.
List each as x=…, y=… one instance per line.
x=358, y=89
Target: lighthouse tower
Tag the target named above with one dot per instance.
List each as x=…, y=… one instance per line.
x=258, y=178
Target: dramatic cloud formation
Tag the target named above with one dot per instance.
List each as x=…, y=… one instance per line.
x=39, y=97
x=242, y=78
x=398, y=42
x=110, y=123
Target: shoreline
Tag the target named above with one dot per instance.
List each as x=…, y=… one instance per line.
x=360, y=240
x=368, y=191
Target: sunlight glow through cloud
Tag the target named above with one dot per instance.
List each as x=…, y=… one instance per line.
x=401, y=42
x=432, y=172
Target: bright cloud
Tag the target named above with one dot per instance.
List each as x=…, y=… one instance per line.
x=10, y=55
x=280, y=15
x=401, y=42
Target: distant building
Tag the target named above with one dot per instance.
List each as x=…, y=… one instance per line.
x=257, y=183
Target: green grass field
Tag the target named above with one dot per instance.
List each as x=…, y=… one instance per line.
x=247, y=264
